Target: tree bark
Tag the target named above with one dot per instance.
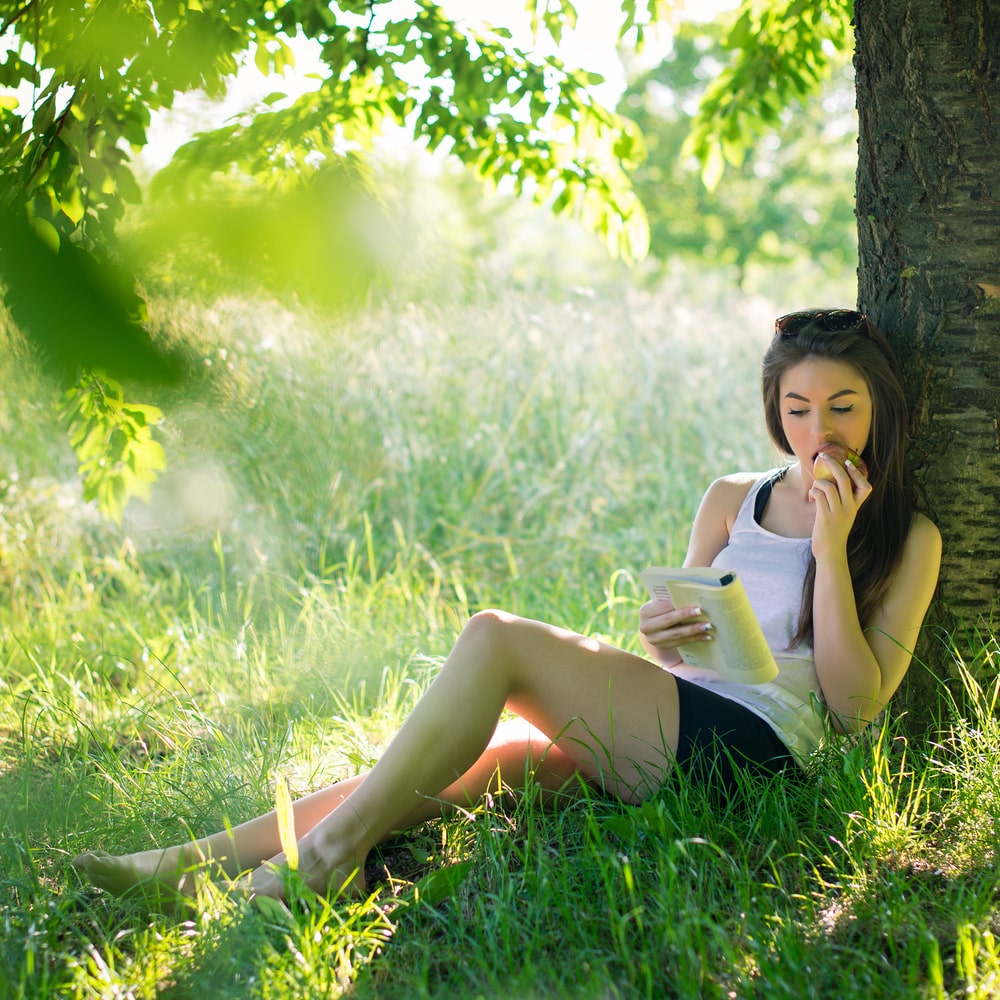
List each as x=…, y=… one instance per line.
x=928, y=206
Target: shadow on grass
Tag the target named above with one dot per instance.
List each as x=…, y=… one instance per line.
x=859, y=882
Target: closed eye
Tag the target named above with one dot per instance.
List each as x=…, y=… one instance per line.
x=838, y=410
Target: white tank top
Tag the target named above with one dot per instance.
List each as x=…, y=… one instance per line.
x=772, y=568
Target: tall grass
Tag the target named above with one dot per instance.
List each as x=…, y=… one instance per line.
x=340, y=498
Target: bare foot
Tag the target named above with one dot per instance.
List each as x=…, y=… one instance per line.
x=160, y=877
x=321, y=872
x=271, y=881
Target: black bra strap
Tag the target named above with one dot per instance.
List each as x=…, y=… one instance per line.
x=764, y=494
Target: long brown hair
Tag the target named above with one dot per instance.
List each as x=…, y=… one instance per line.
x=875, y=544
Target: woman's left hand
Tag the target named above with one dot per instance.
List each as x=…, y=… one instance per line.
x=837, y=503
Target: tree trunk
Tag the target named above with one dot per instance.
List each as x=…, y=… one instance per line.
x=928, y=206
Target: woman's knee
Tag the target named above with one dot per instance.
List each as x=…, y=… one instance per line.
x=488, y=641
x=489, y=626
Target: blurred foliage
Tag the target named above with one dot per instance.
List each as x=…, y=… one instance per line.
x=324, y=240
x=279, y=198
x=427, y=234
x=80, y=81
x=791, y=195
x=81, y=312
x=97, y=72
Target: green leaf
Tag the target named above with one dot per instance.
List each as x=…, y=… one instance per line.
x=633, y=239
x=88, y=324
x=128, y=187
x=442, y=883
x=119, y=458
x=274, y=911
x=262, y=59
x=72, y=205
x=622, y=827
x=47, y=234
x=108, y=66
x=284, y=58
x=776, y=56
x=712, y=167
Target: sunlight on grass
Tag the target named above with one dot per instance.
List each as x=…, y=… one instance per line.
x=339, y=499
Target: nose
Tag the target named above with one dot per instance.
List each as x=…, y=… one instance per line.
x=822, y=428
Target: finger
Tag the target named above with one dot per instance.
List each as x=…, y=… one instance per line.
x=687, y=621
x=689, y=612
x=862, y=487
x=669, y=616
x=854, y=474
x=677, y=635
x=696, y=632
x=656, y=608
x=653, y=614
x=840, y=473
x=847, y=484
x=820, y=491
x=832, y=466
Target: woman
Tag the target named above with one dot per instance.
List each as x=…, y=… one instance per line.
x=840, y=570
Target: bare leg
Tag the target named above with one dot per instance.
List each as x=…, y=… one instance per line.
x=613, y=715
x=515, y=748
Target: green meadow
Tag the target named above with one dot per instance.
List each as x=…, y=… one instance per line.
x=341, y=495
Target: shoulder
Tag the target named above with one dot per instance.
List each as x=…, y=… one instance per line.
x=716, y=516
x=923, y=544
x=726, y=494
x=924, y=530
x=895, y=629
x=737, y=480
x=915, y=578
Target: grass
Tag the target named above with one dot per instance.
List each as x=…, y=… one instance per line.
x=340, y=498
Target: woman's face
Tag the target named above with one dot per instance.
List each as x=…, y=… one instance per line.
x=824, y=401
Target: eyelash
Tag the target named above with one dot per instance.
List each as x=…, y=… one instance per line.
x=838, y=410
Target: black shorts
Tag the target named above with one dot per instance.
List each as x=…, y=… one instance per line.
x=719, y=738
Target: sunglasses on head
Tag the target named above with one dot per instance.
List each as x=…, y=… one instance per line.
x=833, y=320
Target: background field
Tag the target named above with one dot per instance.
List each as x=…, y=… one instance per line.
x=341, y=495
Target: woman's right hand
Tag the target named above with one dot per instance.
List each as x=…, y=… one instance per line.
x=662, y=628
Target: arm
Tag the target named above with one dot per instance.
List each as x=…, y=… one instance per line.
x=662, y=627
x=859, y=668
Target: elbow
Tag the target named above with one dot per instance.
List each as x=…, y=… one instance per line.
x=855, y=716
x=847, y=725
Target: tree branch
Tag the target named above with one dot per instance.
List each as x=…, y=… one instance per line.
x=46, y=148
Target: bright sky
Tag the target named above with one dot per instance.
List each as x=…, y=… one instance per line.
x=591, y=45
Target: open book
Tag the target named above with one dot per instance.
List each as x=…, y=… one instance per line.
x=738, y=650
